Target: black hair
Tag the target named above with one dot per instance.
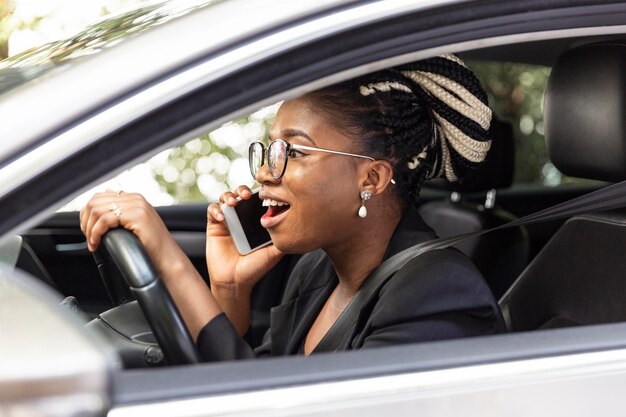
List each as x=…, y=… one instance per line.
x=429, y=118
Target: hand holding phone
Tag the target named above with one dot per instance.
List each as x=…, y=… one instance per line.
x=238, y=253
x=227, y=267
x=244, y=224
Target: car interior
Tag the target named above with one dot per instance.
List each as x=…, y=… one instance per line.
x=577, y=277
x=555, y=274
x=500, y=256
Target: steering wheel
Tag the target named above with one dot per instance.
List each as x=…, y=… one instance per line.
x=155, y=301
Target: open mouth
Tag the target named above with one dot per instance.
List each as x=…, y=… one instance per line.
x=274, y=207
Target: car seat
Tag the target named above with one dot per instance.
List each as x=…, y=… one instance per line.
x=500, y=256
x=579, y=277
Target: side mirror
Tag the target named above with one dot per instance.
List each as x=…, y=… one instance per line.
x=49, y=365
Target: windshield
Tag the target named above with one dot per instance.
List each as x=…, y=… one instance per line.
x=96, y=37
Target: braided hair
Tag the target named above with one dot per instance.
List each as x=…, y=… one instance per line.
x=428, y=118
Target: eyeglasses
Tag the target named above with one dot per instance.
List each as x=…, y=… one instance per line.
x=278, y=153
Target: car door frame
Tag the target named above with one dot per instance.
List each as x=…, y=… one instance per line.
x=431, y=375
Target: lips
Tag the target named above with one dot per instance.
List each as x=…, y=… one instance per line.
x=275, y=212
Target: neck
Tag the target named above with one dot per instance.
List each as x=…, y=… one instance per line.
x=354, y=259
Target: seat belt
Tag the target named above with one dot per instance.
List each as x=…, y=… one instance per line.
x=607, y=198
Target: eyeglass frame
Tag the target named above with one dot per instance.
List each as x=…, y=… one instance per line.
x=289, y=147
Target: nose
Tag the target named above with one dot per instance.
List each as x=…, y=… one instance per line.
x=263, y=176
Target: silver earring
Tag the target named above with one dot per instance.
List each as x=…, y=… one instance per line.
x=365, y=195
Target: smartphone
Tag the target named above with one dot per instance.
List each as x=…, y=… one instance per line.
x=244, y=224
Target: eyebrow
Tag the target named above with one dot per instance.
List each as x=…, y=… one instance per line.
x=290, y=133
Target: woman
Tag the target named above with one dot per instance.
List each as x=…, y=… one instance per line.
x=344, y=169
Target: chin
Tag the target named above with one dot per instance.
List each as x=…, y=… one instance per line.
x=291, y=245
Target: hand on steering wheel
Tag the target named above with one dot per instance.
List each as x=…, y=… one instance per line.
x=99, y=221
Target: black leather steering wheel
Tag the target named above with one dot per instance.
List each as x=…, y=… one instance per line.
x=157, y=304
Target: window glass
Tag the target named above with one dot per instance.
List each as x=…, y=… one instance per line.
x=198, y=171
x=516, y=93
x=516, y=96
x=205, y=167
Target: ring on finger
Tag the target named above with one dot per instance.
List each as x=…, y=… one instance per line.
x=115, y=209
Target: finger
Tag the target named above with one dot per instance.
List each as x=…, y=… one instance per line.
x=95, y=214
x=110, y=191
x=83, y=218
x=98, y=199
x=229, y=198
x=244, y=192
x=85, y=212
x=101, y=226
x=89, y=216
x=104, y=194
x=214, y=213
x=111, y=194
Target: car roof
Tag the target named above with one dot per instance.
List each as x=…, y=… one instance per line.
x=97, y=80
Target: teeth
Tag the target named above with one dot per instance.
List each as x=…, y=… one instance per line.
x=269, y=202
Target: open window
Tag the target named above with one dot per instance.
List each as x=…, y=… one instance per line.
x=501, y=371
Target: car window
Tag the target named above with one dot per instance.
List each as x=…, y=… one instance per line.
x=205, y=167
x=516, y=93
x=197, y=171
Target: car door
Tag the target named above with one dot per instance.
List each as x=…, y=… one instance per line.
x=538, y=373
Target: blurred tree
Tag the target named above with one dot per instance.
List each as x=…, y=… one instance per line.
x=516, y=95
x=205, y=167
x=6, y=8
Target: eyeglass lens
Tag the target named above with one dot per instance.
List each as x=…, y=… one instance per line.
x=276, y=157
x=255, y=157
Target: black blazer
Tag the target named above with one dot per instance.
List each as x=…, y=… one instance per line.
x=438, y=295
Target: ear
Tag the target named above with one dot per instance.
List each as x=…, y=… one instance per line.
x=375, y=176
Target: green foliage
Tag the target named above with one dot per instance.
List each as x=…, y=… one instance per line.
x=207, y=166
x=201, y=169
x=6, y=9
x=516, y=95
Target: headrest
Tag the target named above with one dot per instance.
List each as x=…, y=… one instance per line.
x=495, y=172
x=585, y=113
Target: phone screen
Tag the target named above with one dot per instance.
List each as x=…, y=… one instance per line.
x=250, y=213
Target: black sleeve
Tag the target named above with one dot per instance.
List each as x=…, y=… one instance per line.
x=219, y=340
x=440, y=295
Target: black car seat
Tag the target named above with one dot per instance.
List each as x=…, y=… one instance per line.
x=500, y=256
x=579, y=277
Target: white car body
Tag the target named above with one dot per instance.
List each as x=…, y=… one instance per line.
x=63, y=115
